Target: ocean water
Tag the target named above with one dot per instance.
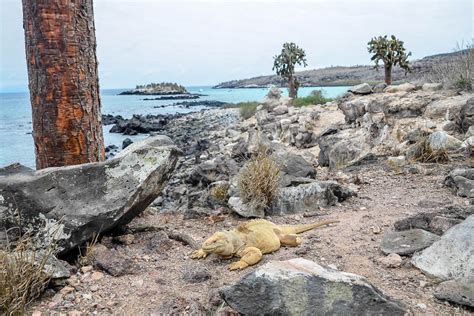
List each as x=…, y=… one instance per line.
x=16, y=141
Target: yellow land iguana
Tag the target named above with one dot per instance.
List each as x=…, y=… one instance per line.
x=252, y=239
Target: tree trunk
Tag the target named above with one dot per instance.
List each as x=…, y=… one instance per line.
x=388, y=74
x=292, y=92
x=64, y=88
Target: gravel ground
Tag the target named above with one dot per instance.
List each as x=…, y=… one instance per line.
x=165, y=280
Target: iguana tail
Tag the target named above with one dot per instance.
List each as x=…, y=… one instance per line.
x=296, y=229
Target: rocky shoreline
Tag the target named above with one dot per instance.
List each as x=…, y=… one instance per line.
x=367, y=159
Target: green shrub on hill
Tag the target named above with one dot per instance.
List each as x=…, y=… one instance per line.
x=316, y=97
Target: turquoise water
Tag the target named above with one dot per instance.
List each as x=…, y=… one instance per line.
x=16, y=141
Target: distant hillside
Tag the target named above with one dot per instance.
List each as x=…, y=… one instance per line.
x=341, y=75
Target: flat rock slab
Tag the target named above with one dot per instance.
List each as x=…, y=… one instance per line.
x=460, y=291
x=76, y=202
x=407, y=242
x=452, y=256
x=363, y=88
x=302, y=287
x=438, y=221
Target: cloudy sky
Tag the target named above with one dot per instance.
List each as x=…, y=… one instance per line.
x=204, y=42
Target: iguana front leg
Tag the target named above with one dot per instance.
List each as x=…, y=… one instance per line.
x=198, y=254
x=249, y=257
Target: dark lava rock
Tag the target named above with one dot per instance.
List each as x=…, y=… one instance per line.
x=461, y=180
x=126, y=142
x=108, y=119
x=436, y=222
x=407, y=242
x=302, y=287
x=307, y=197
x=208, y=103
x=111, y=261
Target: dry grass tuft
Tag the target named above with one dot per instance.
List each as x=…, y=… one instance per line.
x=259, y=180
x=87, y=258
x=22, y=275
x=424, y=153
x=220, y=192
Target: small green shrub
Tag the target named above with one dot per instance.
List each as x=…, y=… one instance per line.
x=316, y=97
x=259, y=180
x=246, y=109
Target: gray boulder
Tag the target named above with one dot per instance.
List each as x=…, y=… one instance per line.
x=442, y=141
x=341, y=149
x=431, y=86
x=380, y=87
x=452, y=256
x=80, y=201
x=353, y=109
x=363, y=88
x=307, y=197
x=459, y=291
x=274, y=93
x=302, y=287
x=407, y=242
x=243, y=209
x=404, y=87
x=461, y=180
x=446, y=108
x=292, y=166
x=466, y=117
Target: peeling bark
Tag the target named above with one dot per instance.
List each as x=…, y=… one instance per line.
x=63, y=81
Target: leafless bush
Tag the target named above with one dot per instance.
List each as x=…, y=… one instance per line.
x=423, y=152
x=220, y=192
x=259, y=180
x=22, y=275
x=86, y=255
x=457, y=71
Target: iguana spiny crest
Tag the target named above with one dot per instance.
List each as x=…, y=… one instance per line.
x=250, y=240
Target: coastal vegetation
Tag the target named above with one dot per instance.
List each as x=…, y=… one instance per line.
x=246, y=109
x=391, y=52
x=316, y=97
x=284, y=65
x=457, y=70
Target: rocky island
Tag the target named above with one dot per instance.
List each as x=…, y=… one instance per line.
x=163, y=88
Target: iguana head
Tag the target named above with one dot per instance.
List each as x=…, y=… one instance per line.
x=218, y=244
